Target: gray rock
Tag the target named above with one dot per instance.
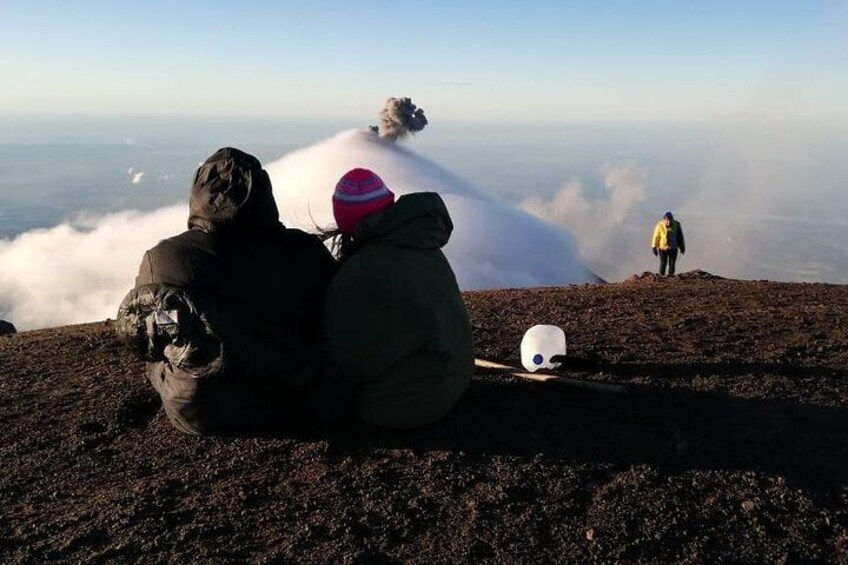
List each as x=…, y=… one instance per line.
x=7, y=328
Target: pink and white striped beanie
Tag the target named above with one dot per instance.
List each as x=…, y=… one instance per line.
x=358, y=193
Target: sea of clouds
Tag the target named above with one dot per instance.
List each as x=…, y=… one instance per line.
x=758, y=203
x=80, y=270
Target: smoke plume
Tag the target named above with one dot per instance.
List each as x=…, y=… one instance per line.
x=594, y=223
x=400, y=117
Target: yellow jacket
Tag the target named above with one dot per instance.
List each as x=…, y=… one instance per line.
x=670, y=237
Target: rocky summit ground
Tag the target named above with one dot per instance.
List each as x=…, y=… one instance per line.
x=728, y=446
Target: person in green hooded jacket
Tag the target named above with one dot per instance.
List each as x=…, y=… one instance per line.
x=396, y=332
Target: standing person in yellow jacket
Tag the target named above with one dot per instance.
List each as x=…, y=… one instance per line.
x=667, y=240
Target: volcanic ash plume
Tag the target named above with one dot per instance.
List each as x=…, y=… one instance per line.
x=400, y=117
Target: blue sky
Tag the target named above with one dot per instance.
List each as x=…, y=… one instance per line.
x=477, y=60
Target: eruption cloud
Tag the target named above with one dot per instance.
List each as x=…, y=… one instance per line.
x=400, y=117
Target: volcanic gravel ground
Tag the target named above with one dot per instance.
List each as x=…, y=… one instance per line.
x=729, y=445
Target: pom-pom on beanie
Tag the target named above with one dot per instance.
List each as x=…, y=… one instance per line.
x=358, y=193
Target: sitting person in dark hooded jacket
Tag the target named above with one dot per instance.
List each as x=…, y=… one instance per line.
x=397, y=336
x=227, y=314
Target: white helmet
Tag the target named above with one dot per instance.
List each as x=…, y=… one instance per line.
x=540, y=345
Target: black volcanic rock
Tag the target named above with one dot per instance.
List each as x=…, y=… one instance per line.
x=7, y=328
x=729, y=446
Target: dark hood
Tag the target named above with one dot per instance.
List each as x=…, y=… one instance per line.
x=419, y=220
x=232, y=191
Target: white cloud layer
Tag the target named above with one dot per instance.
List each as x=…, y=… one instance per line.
x=79, y=271
x=493, y=245
x=135, y=175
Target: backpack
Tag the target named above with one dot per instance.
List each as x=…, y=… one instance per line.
x=671, y=235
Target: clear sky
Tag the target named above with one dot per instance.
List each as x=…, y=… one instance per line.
x=479, y=60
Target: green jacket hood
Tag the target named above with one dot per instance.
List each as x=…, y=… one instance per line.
x=231, y=190
x=419, y=220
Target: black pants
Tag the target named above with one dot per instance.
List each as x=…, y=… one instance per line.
x=668, y=257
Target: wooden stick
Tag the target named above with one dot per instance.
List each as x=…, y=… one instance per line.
x=492, y=365
x=557, y=379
